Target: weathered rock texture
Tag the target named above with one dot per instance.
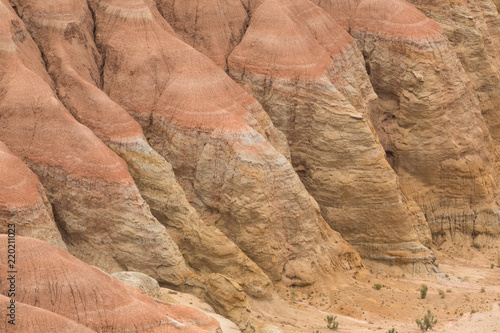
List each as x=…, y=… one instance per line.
x=212, y=27
x=74, y=63
x=310, y=77
x=429, y=120
x=222, y=145
x=51, y=279
x=24, y=207
x=141, y=281
x=364, y=116
x=473, y=29
x=34, y=319
x=102, y=217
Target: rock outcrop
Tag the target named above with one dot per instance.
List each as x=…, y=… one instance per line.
x=225, y=152
x=473, y=29
x=144, y=283
x=24, y=208
x=429, y=120
x=212, y=27
x=74, y=63
x=97, y=206
x=34, y=319
x=54, y=286
x=309, y=75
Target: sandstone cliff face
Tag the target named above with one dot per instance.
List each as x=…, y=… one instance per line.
x=97, y=206
x=310, y=77
x=225, y=151
x=63, y=292
x=442, y=149
x=74, y=63
x=23, y=202
x=472, y=29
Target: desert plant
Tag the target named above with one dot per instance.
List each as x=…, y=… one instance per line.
x=377, y=286
x=442, y=294
x=428, y=322
x=331, y=323
x=423, y=291
x=392, y=330
x=483, y=290
x=492, y=266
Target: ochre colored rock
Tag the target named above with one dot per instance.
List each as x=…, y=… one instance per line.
x=473, y=29
x=310, y=77
x=96, y=204
x=24, y=208
x=74, y=63
x=53, y=280
x=141, y=281
x=212, y=27
x=222, y=145
x=429, y=118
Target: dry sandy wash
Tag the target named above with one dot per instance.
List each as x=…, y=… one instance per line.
x=267, y=161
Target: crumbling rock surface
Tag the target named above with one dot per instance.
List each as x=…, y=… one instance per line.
x=97, y=206
x=309, y=75
x=34, y=319
x=216, y=146
x=429, y=118
x=212, y=27
x=53, y=284
x=473, y=29
x=24, y=208
x=226, y=154
x=74, y=62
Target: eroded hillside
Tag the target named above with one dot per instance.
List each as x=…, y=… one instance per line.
x=240, y=149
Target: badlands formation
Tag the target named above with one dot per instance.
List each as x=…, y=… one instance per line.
x=267, y=161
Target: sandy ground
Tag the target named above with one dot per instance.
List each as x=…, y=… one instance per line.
x=471, y=302
x=226, y=325
x=464, y=297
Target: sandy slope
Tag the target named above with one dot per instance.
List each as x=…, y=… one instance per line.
x=361, y=308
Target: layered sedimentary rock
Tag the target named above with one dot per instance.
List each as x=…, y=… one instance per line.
x=64, y=33
x=310, y=77
x=429, y=120
x=144, y=283
x=34, y=319
x=473, y=29
x=53, y=285
x=212, y=27
x=24, y=207
x=96, y=204
x=225, y=152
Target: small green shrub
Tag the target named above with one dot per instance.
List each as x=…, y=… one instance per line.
x=428, y=322
x=448, y=290
x=483, y=290
x=492, y=266
x=392, y=330
x=377, y=286
x=442, y=294
x=423, y=291
x=331, y=323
